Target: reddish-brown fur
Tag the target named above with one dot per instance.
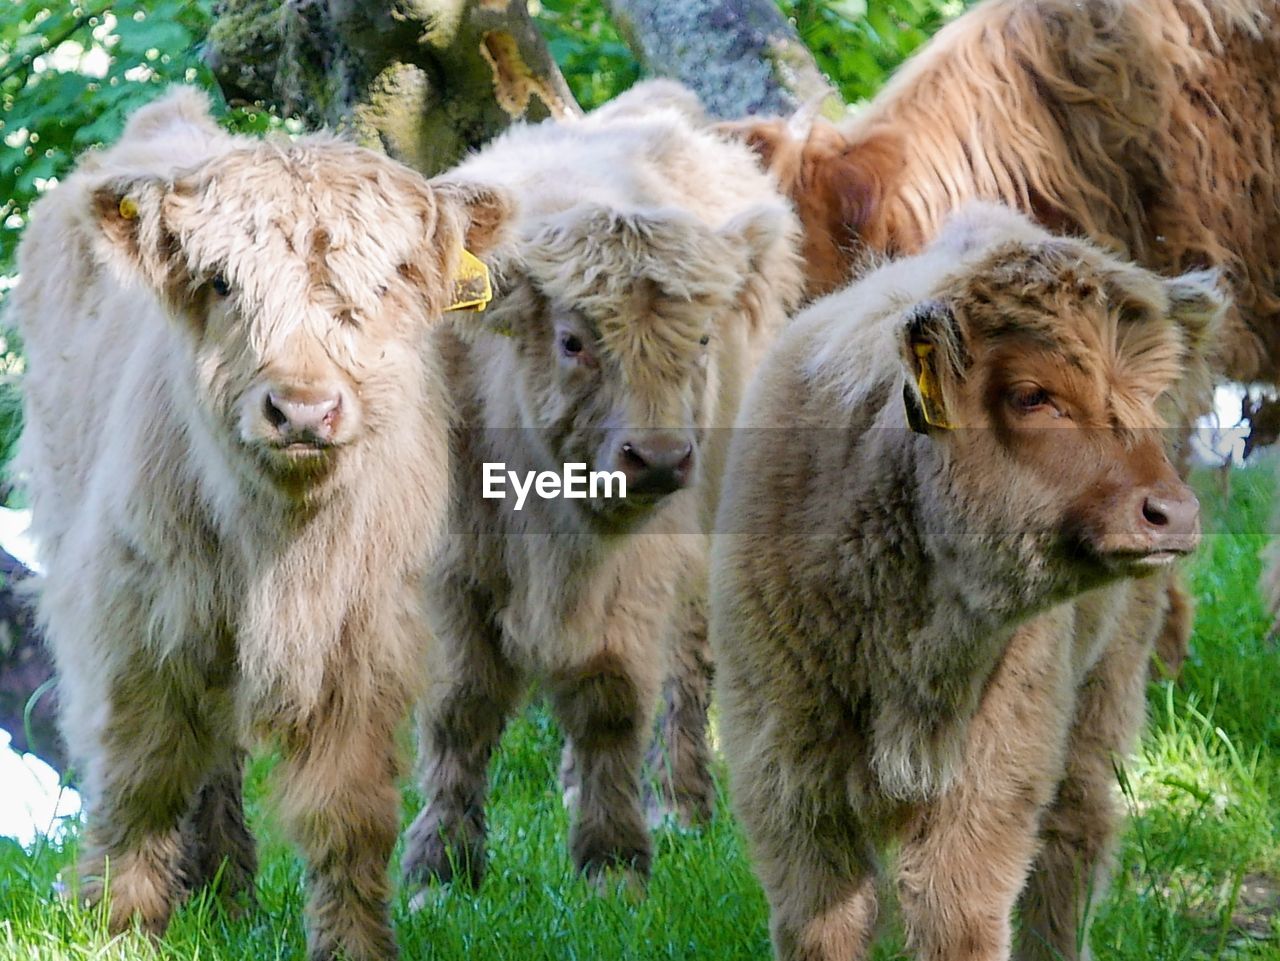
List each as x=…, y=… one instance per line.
x=1151, y=126
x=928, y=607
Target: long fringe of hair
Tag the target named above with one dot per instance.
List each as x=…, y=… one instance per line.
x=1153, y=126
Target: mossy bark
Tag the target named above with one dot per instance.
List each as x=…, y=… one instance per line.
x=740, y=56
x=424, y=80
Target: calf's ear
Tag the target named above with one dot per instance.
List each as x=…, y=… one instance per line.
x=1196, y=304
x=182, y=110
x=851, y=185
x=766, y=232
x=134, y=235
x=482, y=216
x=932, y=353
x=486, y=212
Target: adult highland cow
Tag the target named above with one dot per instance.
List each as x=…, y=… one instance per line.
x=237, y=447
x=1151, y=126
x=929, y=606
x=650, y=263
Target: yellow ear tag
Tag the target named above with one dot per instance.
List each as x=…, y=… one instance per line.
x=935, y=413
x=472, y=288
x=128, y=208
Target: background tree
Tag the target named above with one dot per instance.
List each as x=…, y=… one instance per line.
x=424, y=80
x=71, y=72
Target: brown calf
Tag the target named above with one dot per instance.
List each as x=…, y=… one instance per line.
x=931, y=613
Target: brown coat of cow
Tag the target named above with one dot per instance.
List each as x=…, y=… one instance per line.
x=928, y=612
x=1150, y=126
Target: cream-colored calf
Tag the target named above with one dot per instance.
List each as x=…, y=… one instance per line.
x=237, y=454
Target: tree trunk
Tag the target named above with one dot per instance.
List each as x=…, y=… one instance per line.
x=423, y=80
x=25, y=667
x=740, y=56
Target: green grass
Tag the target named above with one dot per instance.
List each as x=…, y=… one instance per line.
x=1198, y=875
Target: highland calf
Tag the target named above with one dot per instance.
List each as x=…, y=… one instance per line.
x=237, y=440
x=929, y=607
x=1150, y=126
x=650, y=263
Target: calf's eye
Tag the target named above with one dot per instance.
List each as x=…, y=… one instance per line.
x=706, y=339
x=220, y=285
x=570, y=345
x=1027, y=398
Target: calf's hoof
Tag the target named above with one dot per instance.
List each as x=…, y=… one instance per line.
x=431, y=857
x=373, y=944
x=596, y=860
x=616, y=881
x=685, y=812
x=129, y=899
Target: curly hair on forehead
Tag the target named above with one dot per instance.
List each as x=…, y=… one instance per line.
x=593, y=256
x=1068, y=297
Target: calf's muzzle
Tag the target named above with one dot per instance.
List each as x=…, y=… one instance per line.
x=655, y=463
x=1168, y=518
x=308, y=416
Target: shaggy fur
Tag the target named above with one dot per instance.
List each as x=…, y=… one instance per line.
x=651, y=262
x=940, y=636
x=209, y=585
x=1151, y=126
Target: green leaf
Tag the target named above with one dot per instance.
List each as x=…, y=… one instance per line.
x=136, y=37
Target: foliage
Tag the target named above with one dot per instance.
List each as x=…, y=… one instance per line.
x=1197, y=878
x=69, y=75
x=595, y=61
x=859, y=43
x=11, y=366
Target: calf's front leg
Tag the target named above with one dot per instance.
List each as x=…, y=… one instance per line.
x=968, y=854
x=460, y=725
x=152, y=751
x=337, y=789
x=218, y=845
x=819, y=875
x=1078, y=832
x=606, y=715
